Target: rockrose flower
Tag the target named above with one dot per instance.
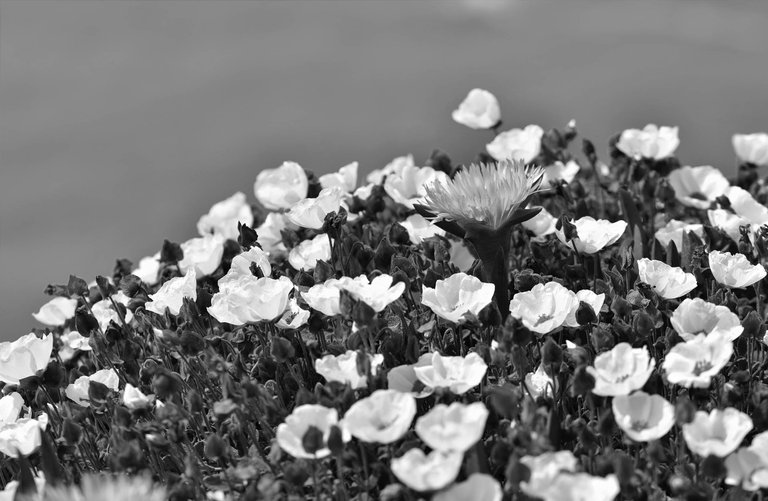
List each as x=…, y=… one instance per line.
x=71, y=342
x=403, y=378
x=104, y=311
x=10, y=408
x=478, y=487
x=669, y=282
x=148, y=269
x=698, y=186
x=559, y=171
x=419, y=229
x=727, y=222
x=396, y=166
x=78, y=391
x=202, y=254
x=306, y=255
x=456, y=427
x=734, y=270
x=593, y=234
x=241, y=264
x=652, y=142
x=544, y=469
x=674, y=230
x=539, y=384
x=172, y=293
x=621, y=370
x=696, y=316
x=541, y=225
x=643, y=417
x=134, y=399
x=383, y=417
x=718, y=433
x=324, y=297
x=752, y=148
x=310, y=212
x=56, y=312
x=249, y=299
x=269, y=233
x=281, y=188
x=745, y=205
x=427, y=472
x=24, y=357
x=595, y=301
x=343, y=368
x=223, y=217
x=22, y=437
x=696, y=361
x=346, y=178
x=583, y=487
x=457, y=296
x=457, y=374
x=408, y=186
x=517, y=144
x=479, y=110
x=544, y=308
x=293, y=317
x=748, y=466
x=308, y=418
x=378, y=293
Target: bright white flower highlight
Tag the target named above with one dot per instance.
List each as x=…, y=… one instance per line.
x=593, y=234
x=669, y=282
x=456, y=296
x=517, y=144
x=248, y=299
x=595, y=301
x=583, y=487
x=290, y=434
x=202, y=254
x=270, y=238
x=310, y=212
x=559, y=171
x=172, y=293
x=24, y=357
x=734, y=270
x=56, y=312
x=134, y=399
x=541, y=225
x=748, y=466
x=545, y=468
x=539, y=384
x=396, y=166
x=78, y=391
x=674, y=230
x=652, y=142
x=643, y=417
x=223, y=217
x=427, y=472
x=306, y=255
x=281, y=188
x=148, y=269
x=479, y=110
x=698, y=186
x=378, y=293
x=621, y=370
x=544, y=308
x=457, y=374
x=409, y=186
x=718, y=433
x=324, y=297
x=752, y=148
x=293, y=317
x=22, y=437
x=456, y=427
x=403, y=378
x=696, y=361
x=419, y=229
x=346, y=178
x=696, y=316
x=343, y=368
x=384, y=417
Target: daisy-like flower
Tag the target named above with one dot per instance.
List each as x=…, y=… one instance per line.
x=621, y=370
x=696, y=361
x=114, y=488
x=593, y=235
x=479, y=110
x=303, y=419
x=427, y=472
x=544, y=308
x=752, y=148
x=674, y=230
x=383, y=417
x=651, y=142
x=718, y=433
x=669, y=282
x=456, y=296
x=696, y=316
x=698, y=186
x=478, y=487
x=748, y=466
x=734, y=270
x=455, y=427
x=643, y=417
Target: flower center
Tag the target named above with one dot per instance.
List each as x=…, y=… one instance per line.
x=639, y=425
x=701, y=366
x=543, y=318
x=697, y=195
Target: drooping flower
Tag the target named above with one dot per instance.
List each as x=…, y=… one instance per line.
x=457, y=296
x=24, y=357
x=517, y=144
x=456, y=427
x=306, y=255
x=93, y=487
x=457, y=374
x=718, y=433
x=22, y=437
x=696, y=316
x=698, y=186
x=247, y=299
x=734, y=270
x=281, y=188
x=652, y=142
x=748, y=466
x=148, y=269
x=56, y=312
x=133, y=398
x=305, y=418
x=559, y=171
x=293, y=317
x=203, y=254
x=172, y=293
x=409, y=186
x=346, y=178
x=478, y=487
x=643, y=417
x=674, y=230
x=343, y=368
x=752, y=148
x=383, y=417
x=669, y=282
x=427, y=472
x=697, y=360
x=621, y=370
x=595, y=301
x=539, y=384
x=377, y=293
x=310, y=212
x=223, y=217
x=593, y=235
x=419, y=229
x=479, y=110
x=544, y=469
x=544, y=308
x=324, y=297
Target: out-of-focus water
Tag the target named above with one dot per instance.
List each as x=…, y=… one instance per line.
x=122, y=122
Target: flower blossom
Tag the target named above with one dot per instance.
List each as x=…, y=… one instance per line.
x=456, y=427
x=748, y=466
x=517, y=144
x=457, y=374
x=669, y=282
x=479, y=110
x=643, y=417
x=24, y=357
x=223, y=217
x=652, y=142
x=306, y=255
x=134, y=399
x=544, y=308
x=281, y=188
x=378, y=293
x=71, y=342
x=172, y=293
x=56, y=312
x=409, y=185
x=593, y=235
x=293, y=317
x=674, y=230
x=78, y=391
x=717, y=433
x=305, y=418
x=559, y=171
x=383, y=417
x=419, y=228
x=752, y=148
x=539, y=384
x=696, y=316
x=269, y=233
x=458, y=295
x=595, y=301
x=22, y=437
x=478, y=487
x=202, y=254
x=343, y=368
x=346, y=178
x=541, y=225
x=325, y=297
x=148, y=269
x=310, y=212
x=621, y=370
x=249, y=299
x=698, y=186
x=396, y=166
x=427, y=472
x=403, y=378
x=583, y=487
x=696, y=361
x=544, y=468
x=734, y=270
x=104, y=311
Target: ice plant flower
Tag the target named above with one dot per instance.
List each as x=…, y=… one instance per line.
x=718, y=433
x=112, y=487
x=310, y=212
x=544, y=308
x=696, y=361
x=593, y=235
x=249, y=299
x=698, y=186
x=517, y=144
x=456, y=427
x=281, y=188
x=674, y=230
x=343, y=368
x=643, y=417
x=651, y=142
x=539, y=384
x=134, y=399
x=478, y=487
x=419, y=229
x=621, y=370
x=479, y=110
x=172, y=293
x=56, y=312
x=408, y=186
x=544, y=469
x=293, y=317
x=595, y=301
x=346, y=178
x=78, y=391
x=24, y=357
x=202, y=254
x=148, y=269
x=22, y=437
x=457, y=296
x=559, y=171
x=427, y=472
x=306, y=255
x=308, y=418
x=457, y=374
x=324, y=297
x=223, y=217
x=669, y=282
x=752, y=148
x=377, y=293
x=696, y=316
x=734, y=270
x=748, y=466
x=383, y=417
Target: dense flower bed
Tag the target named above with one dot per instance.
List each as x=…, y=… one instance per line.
x=586, y=329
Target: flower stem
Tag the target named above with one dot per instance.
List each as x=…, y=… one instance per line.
x=493, y=250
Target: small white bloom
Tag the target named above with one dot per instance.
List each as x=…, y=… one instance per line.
x=346, y=178
x=10, y=408
x=241, y=264
x=310, y=212
x=343, y=368
x=539, y=384
x=282, y=187
x=752, y=148
x=593, y=234
x=148, y=269
x=22, y=437
x=541, y=225
x=203, y=254
x=71, y=342
x=718, y=433
x=134, y=399
x=409, y=186
x=248, y=299
x=621, y=370
x=696, y=316
x=104, y=311
x=559, y=171
x=396, y=166
x=419, y=229
x=517, y=144
x=544, y=469
x=583, y=487
x=293, y=317
x=456, y=427
x=544, y=308
x=457, y=295
x=651, y=142
x=727, y=222
x=745, y=206
x=457, y=374
x=403, y=378
x=269, y=235
x=427, y=472
x=674, y=230
x=696, y=361
x=24, y=357
x=698, y=186
x=56, y=311
x=734, y=270
x=479, y=110
x=748, y=467
x=669, y=282
x=383, y=417
x=643, y=417
x=306, y=255
x=377, y=293
x=290, y=434
x=478, y=487
x=78, y=391
x=172, y=293
x=595, y=301
x=223, y=217
x=324, y=297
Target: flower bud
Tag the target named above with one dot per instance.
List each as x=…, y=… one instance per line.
x=282, y=350
x=215, y=447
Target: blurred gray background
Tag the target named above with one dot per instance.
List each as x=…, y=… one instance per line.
x=122, y=122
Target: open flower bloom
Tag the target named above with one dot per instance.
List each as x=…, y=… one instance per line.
x=745, y=205
x=479, y=110
x=377, y=293
x=202, y=254
x=10, y=408
x=306, y=255
x=669, y=282
x=718, y=433
x=541, y=225
x=324, y=297
x=748, y=466
x=595, y=301
x=727, y=222
x=293, y=317
x=544, y=308
x=396, y=166
x=674, y=230
x=419, y=228
x=71, y=342
x=643, y=417
x=696, y=316
x=241, y=264
x=24, y=357
x=409, y=185
x=593, y=234
x=517, y=144
x=698, y=186
x=696, y=361
x=310, y=212
x=104, y=311
x=456, y=427
x=290, y=434
x=223, y=217
x=346, y=178
x=559, y=171
x=539, y=384
x=544, y=469
x=456, y=296
x=281, y=188
x=383, y=417
x=56, y=311
x=403, y=378
x=427, y=472
x=583, y=487
x=148, y=269
x=247, y=299
x=172, y=293
x=752, y=148
x=22, y=437
x=269, y=233
x=621, y=370
x=78, y=391
x=734, y=270
x=652, y=142
x=134, y=399
x=457, y=374
x=343, y=368
x=478, y=487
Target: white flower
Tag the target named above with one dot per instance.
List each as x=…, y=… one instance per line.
x=651, y=142
x=409, y=186
x=324, y=297
x=241, y=264
x=541, y=225
x=734, y=270
x=364, y=192
x=56, y=311
x=461, y=255
x=422, y=472
x=752, y=148
x=457, y=296
x=383, y=417
x=202, y=254
x=544, y=468
x=346, y=178
x=696, y=361
x=293, y=317
x=745, y=205
x=134, y=399
x=419, y=229
x=669, y=282
x=310, y=212
x=22, y=437
x=172, y=293
x=718, y=433
x=248, y=299
x=621, y=370
x=456, y=427
x=559, y=171
x=148, y=269
x=643, y=417
x=9, y=492
x=306, y=255
x=78, y=391
x=479, y=110
x=290, y=434
x=282, y=187
x=593, y=234
x=104, y=311
x=269, y=235
x=377, y=293
x=107, y=486
x=458, y=374
x=583, y=487
x=24, y=357
x=727, y=222
x=223, y=217
x=696, y=316
x=478, y=487
x=539, y=384
x=748, y=467
x=544, y=308
x=673, y=232
x=10, y=408
x=71, y=342
x=517, y=144
x=343, y=368
x=403, y=378
x=395, y=166
x=595, y=301
x=698, y=186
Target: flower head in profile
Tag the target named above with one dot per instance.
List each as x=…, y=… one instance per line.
x=115, y=488
x=643, y=417
x=325, y=297
x=172, y=293
x=383, y=417
x=593, y=235
x=346, y=177
x=718, y=433
x=56, y=312
x=24, y=357
x=23, y=436
x=282, y=187
x=306, y=255
x=419, y=229
x=310, y=212
x=734, y=270
x=651, y=142
x=223, y=217
x=674, y=231
x=479, y=110
x=377, y=293
x=752, y=148
x=621, y=370
x=517, y=144
x=696, y=361
x=698, y=186
x=427, y=472
x=669, y=282
x=696, y=316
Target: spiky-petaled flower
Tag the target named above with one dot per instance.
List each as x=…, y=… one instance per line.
x=114, y=488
